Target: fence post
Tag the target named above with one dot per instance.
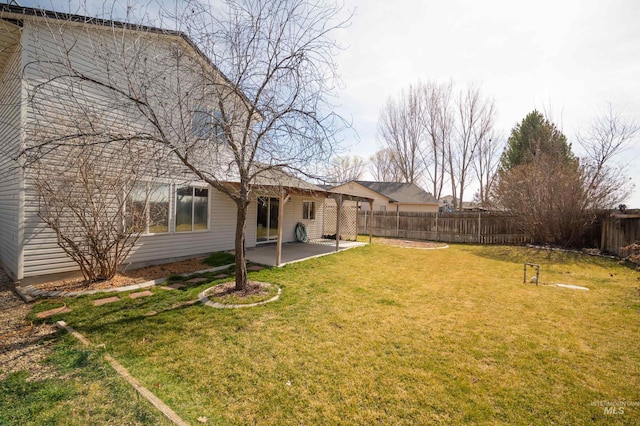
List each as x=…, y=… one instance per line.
x=479, y=223
x=338, y=221
x=371, y=222
x=364, y=228
x=437, y=226
x=357, y=218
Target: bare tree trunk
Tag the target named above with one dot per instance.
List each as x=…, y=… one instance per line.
x=241, y=263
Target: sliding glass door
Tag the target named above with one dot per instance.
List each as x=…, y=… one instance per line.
x=267, y=219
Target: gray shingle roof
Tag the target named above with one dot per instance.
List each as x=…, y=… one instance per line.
x=407, y=193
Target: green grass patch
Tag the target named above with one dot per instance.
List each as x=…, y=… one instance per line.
x=382, y=334
x=219, y=259
x=210, y=276
x=83, y=390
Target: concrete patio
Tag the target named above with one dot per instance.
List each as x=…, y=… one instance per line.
x=296, y=252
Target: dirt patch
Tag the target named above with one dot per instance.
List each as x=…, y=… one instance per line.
x=253, y=288
x=23, y=345
x=410, y=243
x=135, y=276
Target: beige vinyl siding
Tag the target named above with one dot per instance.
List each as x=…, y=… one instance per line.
x=428, y=208
x=293, y=215
x=46, y=257
x=41, y=252
x=10, y=145
x=58, y=102
x=220, y=236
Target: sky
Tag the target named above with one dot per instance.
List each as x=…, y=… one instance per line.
x=566, y=58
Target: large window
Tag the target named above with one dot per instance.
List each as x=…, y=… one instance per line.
x=148, y=208
x=309, y=210
x=192, y=209
x=205, y=124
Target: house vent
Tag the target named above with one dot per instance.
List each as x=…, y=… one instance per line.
x=176, y=51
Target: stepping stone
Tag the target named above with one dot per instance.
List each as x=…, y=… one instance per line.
x=221, y=276
x=174, y=286
x=140, y=294
x=51, y=312
x=197, y=280
x=100, y=302
x=150, y=314
x=255, y=268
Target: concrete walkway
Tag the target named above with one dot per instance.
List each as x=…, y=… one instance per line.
x=296, y=252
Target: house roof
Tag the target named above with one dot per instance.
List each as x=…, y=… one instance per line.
x=400, y=192
x=11, y=13
x=276, y=177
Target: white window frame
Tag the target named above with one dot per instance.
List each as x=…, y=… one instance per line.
x=147, y=209
x=175, y=210
x=306, y=212
x=210, y=126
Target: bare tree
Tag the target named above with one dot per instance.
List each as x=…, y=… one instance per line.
x=431, y=142
x=475, y=121
x=439, y=124
x=608, y=137
x=401, y=130
x=250, y=105
x=545, y=196
x=485, y=165
x=98, y=209
x=346, y=168
x=383, y=167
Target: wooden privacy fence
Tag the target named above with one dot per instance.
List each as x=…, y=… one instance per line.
x=457, y=227
x=618, y=231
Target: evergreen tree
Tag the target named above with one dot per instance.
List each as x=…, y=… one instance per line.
x=532, y=139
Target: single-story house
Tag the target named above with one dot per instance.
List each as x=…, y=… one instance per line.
x=391, y=196
x=193, y=218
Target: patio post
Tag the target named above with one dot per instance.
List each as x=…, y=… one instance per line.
x=281, y=203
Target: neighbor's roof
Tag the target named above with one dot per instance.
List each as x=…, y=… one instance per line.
x=399, y=192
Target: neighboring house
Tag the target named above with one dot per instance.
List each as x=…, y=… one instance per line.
x=391, y=196
x=196, y=218
x=446, y=205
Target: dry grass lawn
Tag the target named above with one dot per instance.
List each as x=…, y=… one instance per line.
x=392, y=335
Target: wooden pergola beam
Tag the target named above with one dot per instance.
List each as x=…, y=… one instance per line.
x=284, y=197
